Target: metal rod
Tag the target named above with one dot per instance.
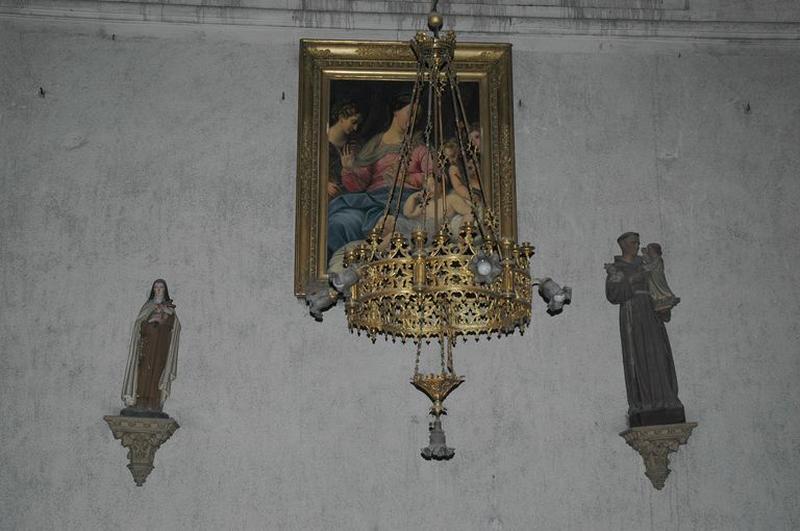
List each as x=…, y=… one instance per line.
x=428, y=125
x=473, y=154
x=440, y=157
x=437, y=141
x=478, y=221
x=402, y=159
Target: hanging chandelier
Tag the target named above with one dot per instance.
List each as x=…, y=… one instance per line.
x=438, y=286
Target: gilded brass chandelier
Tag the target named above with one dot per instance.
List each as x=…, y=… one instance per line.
x=437, y=286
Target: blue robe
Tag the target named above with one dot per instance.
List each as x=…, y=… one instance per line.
x=352, y=215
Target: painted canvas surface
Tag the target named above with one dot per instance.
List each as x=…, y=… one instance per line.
x=367, y=122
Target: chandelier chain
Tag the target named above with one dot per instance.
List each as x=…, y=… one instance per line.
x=428, y=131
x=441, y=157
x=442, y=341
x=419, y=352
x=462, y=114
x=450, y=341
x=463, y=153
x=402, y=163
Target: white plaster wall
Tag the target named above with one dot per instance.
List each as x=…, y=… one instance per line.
x=170, y=151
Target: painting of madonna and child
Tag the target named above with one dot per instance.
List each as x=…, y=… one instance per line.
x=367, y=123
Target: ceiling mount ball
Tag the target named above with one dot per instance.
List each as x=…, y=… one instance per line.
x=435, y=21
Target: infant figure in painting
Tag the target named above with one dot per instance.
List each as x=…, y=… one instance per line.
x=663, y=298
x=424, y=206
x=463, y=179
x=152, y=356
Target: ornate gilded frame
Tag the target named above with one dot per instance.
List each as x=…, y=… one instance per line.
x=323, y=60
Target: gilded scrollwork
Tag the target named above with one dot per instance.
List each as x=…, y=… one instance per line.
x=392, y=301
x=494, y=133
x=506, y=183
x=319, y=53
x=304, y=182
x=383, y=53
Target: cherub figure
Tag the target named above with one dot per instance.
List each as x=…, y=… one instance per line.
x=425, y=205
x=467, y=187
x=653, y=264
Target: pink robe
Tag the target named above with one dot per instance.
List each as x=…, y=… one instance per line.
x=374, y=176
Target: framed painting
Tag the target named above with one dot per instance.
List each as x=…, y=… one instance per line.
x=351, y=95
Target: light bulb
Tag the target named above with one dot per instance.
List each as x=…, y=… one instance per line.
x=484, y=268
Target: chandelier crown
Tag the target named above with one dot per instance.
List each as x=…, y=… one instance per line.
x=410, y=290
x=434, y=51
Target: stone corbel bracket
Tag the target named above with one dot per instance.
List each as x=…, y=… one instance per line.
x=142, y=437
x=654, y=444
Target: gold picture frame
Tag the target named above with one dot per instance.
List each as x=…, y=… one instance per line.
x=335, y=63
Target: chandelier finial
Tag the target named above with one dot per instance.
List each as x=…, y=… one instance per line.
x=435, y=20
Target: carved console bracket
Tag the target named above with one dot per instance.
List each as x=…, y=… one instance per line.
x=142, y=436
x=654, y=443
